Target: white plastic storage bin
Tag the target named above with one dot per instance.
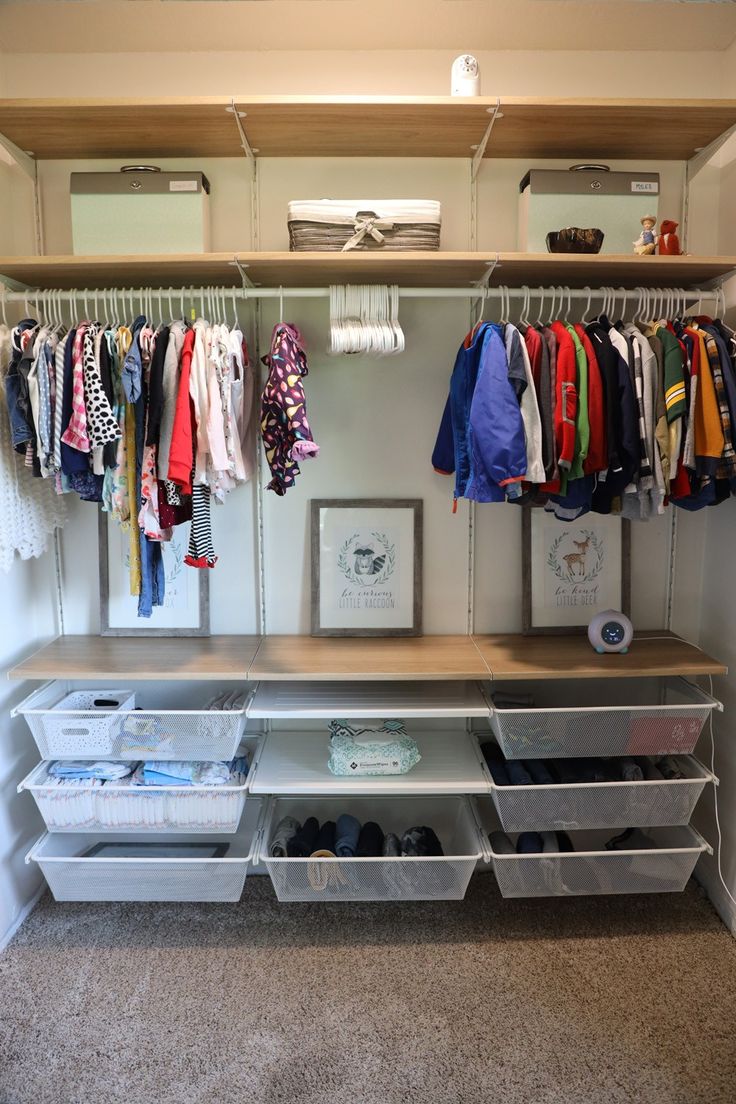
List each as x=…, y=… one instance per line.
x=73, y=874
x=607, y=717
x=171, y=723
x=602, y=804
x=385, y=879
x=124, y=806
x=590, y=869
x=74, y=718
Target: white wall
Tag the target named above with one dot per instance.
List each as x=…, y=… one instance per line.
x=29, y=619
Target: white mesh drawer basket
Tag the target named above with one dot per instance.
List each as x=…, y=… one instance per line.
x=124, y=806
x=380, y=879
x=183, y=867
x=346, y=224
x=602, y=804
x=168, y=723
x=649, y=716
x=590, y=869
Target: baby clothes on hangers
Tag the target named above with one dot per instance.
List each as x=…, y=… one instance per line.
x=287, y=437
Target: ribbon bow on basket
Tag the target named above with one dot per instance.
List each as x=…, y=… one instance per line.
x=367, y=223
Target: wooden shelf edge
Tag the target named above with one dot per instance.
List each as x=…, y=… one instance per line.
x=503, y=657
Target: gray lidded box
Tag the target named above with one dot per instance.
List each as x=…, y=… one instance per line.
x=140, y=209
x=586, y=196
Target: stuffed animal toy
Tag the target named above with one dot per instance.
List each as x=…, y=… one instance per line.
x=669, y=243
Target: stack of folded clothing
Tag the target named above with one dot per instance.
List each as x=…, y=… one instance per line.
x=346, y=838
x=162, y=772
x=576, y=771
x=69, y=772
x=531, y=843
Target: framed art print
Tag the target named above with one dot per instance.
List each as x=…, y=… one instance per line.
x=573, y=570
x=366, y=567
x=186, y=609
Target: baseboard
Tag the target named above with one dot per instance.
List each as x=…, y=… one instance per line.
x=24, y=913
x=718, y=897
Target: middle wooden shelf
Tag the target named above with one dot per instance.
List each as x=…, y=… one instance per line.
x=430, y=269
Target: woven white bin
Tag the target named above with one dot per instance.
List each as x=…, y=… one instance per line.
x=384, y=879
x=73, y=720
x=72, y=877
x=185, y=732
x=592, y=870
x=603, y=717
x=602, y=804
x=131, y=808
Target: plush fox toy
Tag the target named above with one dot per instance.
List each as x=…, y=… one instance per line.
x=669, y=243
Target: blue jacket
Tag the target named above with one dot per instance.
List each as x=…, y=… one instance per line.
x=481, y=435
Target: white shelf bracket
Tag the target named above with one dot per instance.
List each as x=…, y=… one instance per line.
x=245, y=278
x=701, y=158
x=23, y=160
x=484, y=283
x=245, y=145
x=480, y=149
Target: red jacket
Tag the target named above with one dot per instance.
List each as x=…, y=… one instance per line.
x=183, y=434
x=566, y=396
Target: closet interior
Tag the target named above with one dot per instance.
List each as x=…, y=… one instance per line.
x=558, y=770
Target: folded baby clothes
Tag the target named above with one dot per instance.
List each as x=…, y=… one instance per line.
x=420, y=842
x=370, y=751
x=228, y=701
x=669, y=768
x=572, y=771
x=324, y=845
x=71, y=769
x=286, y=828
x=302, y=843
x=549, y=843
x=518, y=774
x=564, y=843
x=501, y=844
x=496, y=763
x=162, y=772
x=529, y=843
x=539, y=771
x=347, y=832
x=370, y=841
x=632, y=839
x=391, y=846
x=630, y=770
x=649, y=770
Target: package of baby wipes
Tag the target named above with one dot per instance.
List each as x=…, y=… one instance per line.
x=384, y=749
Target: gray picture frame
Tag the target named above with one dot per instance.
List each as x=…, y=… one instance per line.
x=415, y=504
x=527, y=581
x=203, y=629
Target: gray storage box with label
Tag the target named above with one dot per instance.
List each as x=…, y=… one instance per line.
x=588, y=197
x=140, y=210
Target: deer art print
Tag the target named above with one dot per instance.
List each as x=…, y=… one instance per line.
x=576, y=560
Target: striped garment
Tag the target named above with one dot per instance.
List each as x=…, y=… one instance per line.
x=727, y=467
x=201, y=552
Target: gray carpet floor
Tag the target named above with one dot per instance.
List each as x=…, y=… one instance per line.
x=628, y=1000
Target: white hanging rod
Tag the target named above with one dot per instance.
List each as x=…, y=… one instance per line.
x=189, y=293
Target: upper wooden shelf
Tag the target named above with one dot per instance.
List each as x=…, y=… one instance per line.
x=365, y=126
x=554, y=657
x=308, y=659
x=107, y=657
x=417, y=269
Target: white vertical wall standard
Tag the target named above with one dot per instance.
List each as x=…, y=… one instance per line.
x=27, y=624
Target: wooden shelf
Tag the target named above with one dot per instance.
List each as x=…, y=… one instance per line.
x=365, y=126
x=171, y=658
x=416, y=269
x=308, y=659
x=554, y=657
